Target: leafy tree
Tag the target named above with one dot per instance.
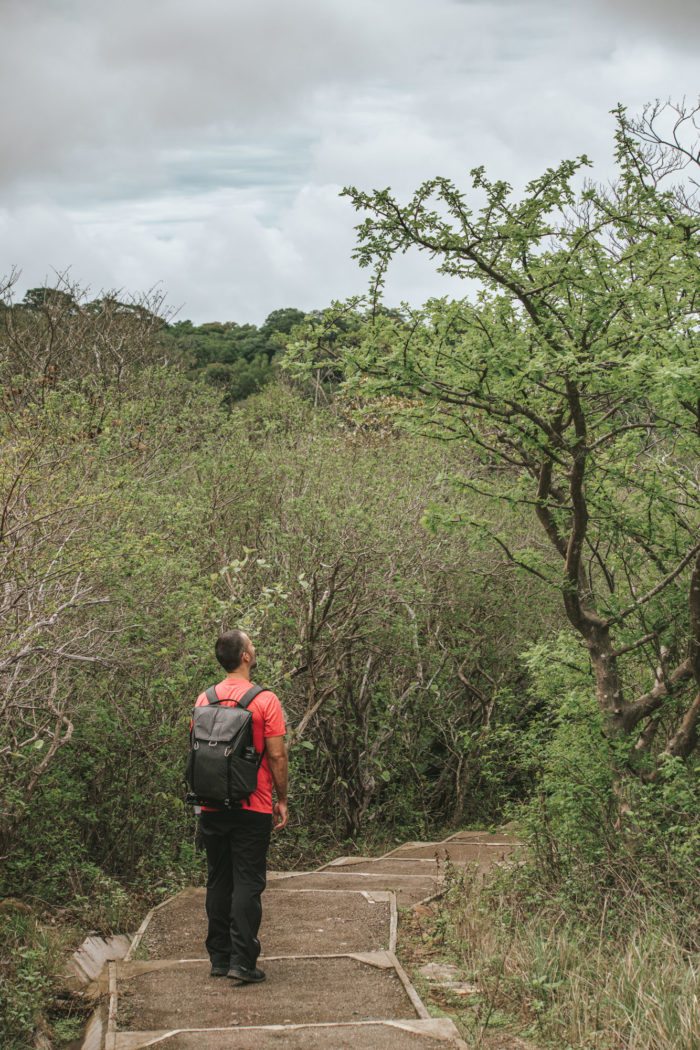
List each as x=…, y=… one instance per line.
x=43, y=297
x=280, y=322
x=235, y=358
x=227, y=342
x=239, y=379
x=572, y=374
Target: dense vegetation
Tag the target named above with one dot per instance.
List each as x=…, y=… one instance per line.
x=463, y=538
x=570, y=378
x=239, y=359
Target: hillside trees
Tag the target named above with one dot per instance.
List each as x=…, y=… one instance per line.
x=572, y=374
x=49, y=623
x=236, y=358
x=139, y=516
x=104, y=586
x=372, y=623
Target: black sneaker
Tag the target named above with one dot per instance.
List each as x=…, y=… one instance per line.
x=218, y=971
x=240, y=973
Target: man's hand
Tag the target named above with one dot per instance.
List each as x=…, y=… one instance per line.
x=281, y=815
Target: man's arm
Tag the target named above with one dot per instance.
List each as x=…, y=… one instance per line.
x=277, y=757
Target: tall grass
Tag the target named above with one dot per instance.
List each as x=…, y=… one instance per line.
x=31, y=954
x=625, y=983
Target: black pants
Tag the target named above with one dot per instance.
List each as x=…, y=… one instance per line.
x=236, y=842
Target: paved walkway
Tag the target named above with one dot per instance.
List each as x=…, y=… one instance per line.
x=333, y=979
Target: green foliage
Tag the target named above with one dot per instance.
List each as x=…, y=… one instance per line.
x=574, y=803
x=535, y=968
x=30, y=953
x=571, y=377
x=130, y=474
x=602, y=842
x=408, y=596
x=236, y=359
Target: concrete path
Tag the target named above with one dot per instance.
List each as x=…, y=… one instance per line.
x=328, y=940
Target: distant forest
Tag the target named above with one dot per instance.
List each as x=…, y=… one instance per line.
x=238, y=358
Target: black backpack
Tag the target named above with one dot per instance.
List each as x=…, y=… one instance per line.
x=222, y=764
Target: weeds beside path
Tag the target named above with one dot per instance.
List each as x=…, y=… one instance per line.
x=520, y=969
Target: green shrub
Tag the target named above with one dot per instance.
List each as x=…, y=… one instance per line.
x=31, y=954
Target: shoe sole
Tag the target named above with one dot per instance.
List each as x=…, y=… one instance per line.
x=245, y=980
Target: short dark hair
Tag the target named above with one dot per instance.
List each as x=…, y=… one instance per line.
x=230, y=647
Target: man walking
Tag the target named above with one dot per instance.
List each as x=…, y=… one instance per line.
x=237, y=840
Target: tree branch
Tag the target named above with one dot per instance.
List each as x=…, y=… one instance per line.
x=686, y=737
x=659, y=587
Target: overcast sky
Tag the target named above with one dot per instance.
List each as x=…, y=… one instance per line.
x=201, y=145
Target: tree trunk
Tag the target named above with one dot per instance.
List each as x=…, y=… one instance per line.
x=608, y=681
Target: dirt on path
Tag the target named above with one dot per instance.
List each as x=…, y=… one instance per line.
x=333, y=978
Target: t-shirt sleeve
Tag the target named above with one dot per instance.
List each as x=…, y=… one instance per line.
x=273, y=716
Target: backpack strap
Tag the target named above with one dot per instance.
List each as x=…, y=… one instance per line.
x=248, y=697
x=245, y=700
x=211, y=695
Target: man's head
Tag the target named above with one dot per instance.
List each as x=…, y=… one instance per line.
x=235, y=652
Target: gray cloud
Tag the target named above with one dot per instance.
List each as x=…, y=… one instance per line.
x=203, y=143
x=108, y=86
x=88, y=76
x=674, y=20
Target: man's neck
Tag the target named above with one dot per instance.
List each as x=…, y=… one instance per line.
x=243, y=675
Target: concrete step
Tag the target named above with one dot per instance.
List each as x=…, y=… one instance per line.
x=399, y=865
x=333, y=981
x=430, y=1034
x=163, y=995
x=295, y=922
x=87, y=963
x=457, y=851
x=409, y=888
x=485, y=838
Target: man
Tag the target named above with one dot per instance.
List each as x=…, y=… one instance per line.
x=237, y=840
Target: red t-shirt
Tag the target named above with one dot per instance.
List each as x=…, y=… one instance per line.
x=268, y=720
